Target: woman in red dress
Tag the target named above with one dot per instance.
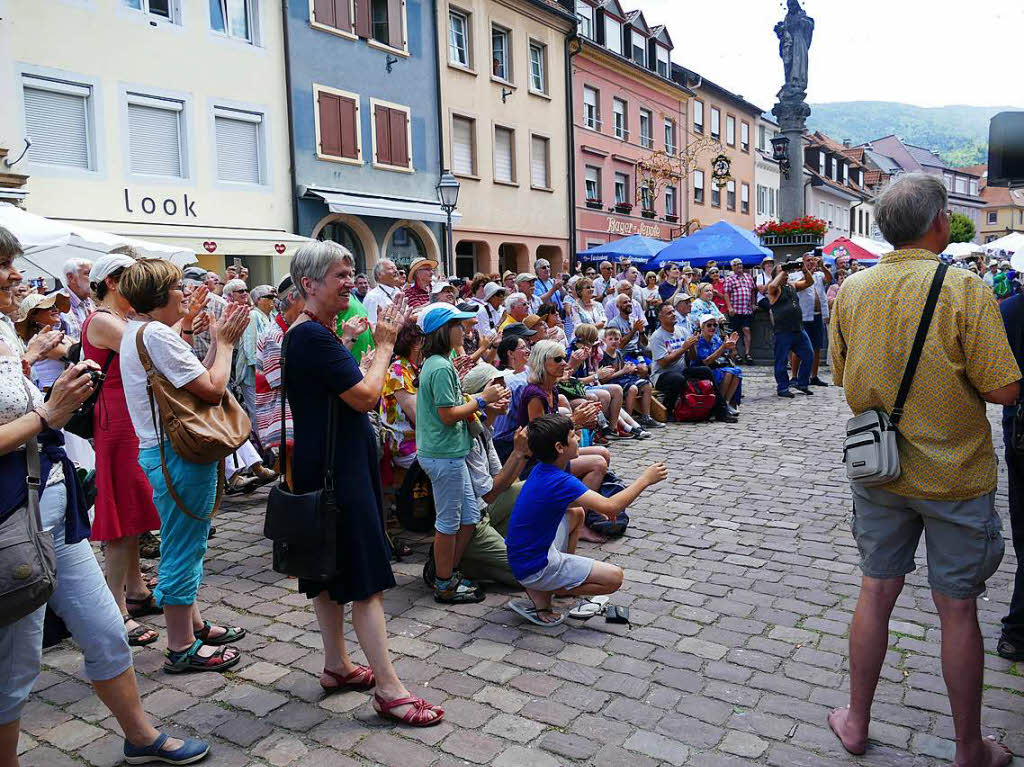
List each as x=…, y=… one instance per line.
x=124, y=498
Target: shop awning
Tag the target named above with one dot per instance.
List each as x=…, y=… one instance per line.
x=226, y=241
x=380, y=207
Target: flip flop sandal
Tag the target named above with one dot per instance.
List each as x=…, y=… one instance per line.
x=588, y=608
x=135, y=635
x=361, y=678
x=140, y=608
x=416, y=716
x=190, y=660
x=532, y=614
x=230, y=635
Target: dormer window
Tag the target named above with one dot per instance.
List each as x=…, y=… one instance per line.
x=613, y=34
x=585, y=14
x=664, y=62
x=639, y=53
x=821, y=163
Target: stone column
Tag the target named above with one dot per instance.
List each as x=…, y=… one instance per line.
x=792, y=114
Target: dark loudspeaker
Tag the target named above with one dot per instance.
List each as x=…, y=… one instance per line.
x=1006, y=149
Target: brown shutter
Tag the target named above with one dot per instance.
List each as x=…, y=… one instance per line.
x=399, y=143
x=382, y=126
x=324, y=13
x=342, y=15
x=330, y=124
x=349, y=129
x=363, y=18
x=396, y=36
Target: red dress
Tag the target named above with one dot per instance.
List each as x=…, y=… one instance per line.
x=124, y=498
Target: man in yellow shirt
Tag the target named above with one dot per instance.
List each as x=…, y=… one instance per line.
x=948, y=480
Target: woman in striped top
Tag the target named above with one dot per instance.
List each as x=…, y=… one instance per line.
x=290, y=304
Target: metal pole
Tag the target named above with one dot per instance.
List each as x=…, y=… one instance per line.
x=450, y=266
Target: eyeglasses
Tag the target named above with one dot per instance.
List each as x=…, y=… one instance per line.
x=559, y=359
x=711, y=324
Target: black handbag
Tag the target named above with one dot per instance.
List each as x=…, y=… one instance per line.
x=81, y=423
x=304, y=526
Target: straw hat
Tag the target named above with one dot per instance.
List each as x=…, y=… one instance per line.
x=35, y=301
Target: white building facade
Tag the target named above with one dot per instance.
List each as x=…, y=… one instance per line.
x=766, y=173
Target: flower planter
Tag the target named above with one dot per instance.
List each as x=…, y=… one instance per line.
x=672, y=219
x=623, y=207
x=647, y=213
x=594, y=204
x=784, y=240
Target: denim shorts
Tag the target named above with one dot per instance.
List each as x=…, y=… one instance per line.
x=963, y=539
x=455, y=502
x=84, y=602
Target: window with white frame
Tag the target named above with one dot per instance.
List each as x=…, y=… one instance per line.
x=947, y=179
x=730, y=130
x=458, y=38
x=762, y=138
x=57, y=118
x=585, y=14
x=961, y=185
x=773, y=201
x=240, y=155
x=234, y=18
x=619, y=123
x=716, y=123
x=156, y=136
x=698, y=186
x=464, y=145
x=745, y=137
x=646, y=139
x=835, y=168
x=621, y=189
x=540, y=162
x=504, y=155
x=593, y=183
x=823, y=211
x=664, y=61
x=613, y=34
x=744, y=198
x=846, y=173
x=698, y=116
x=993, y=216
x=821, y=164
x=591, y=113
x=831, y=214
x=670, y=136
x=639, y=52
x=670, y=201
x=974, y=187
x=762, y=200
x=860, y=177
x=647, y=197
x=846, y=219
x=538, y=68
x=730, y=195
x=500, y=63
x=169, y=10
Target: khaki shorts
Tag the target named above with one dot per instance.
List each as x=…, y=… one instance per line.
x=963, y=539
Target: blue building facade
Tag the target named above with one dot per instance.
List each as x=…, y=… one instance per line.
x=363, y=84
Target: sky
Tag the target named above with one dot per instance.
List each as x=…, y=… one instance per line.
x=914, y=51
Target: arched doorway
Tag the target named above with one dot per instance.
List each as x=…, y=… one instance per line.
x=406, y=240
x=513, y=256
x=340, y=232
x=553, y=254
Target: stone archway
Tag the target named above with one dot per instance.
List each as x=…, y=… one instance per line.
x=478, y=250
x=359, y=228
x=514, y=257
x=425, y=233
x=553, y=253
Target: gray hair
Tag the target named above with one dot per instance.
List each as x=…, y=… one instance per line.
x=314, y=260
x=122, y=250
x=908, y=207
x=260, y=291
x=285, y=300
x=9, y=245
x=235, y=285
x=72, y=265
x=514, y=299
x=541, y=352
x=378, y=268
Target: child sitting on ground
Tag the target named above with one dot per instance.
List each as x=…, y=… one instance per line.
x=538, y=538
x=631, y=376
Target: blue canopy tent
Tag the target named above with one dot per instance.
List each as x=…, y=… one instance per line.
x=636, y=248
x=720, y=242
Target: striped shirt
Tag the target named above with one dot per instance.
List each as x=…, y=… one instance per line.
x=268, y=386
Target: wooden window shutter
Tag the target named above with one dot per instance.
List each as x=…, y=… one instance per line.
x=330, y=124
x=399, y=141
x=396, y=32
x=349, y=119
x=382, y=128
x=363, y=25
x=324, y=13
x=342, y=16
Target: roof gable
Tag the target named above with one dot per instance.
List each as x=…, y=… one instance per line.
x=660, y=33
x=639, y=23
x=613, y=8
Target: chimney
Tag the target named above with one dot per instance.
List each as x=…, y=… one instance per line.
x=847, y=143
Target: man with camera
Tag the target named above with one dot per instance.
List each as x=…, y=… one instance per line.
x=787, y=320
x=814, y=307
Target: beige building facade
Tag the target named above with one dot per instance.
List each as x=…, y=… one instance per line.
x=505, y=131
x=161, y=121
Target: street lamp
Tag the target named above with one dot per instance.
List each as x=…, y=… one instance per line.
x=780, y=153
x=448, y=194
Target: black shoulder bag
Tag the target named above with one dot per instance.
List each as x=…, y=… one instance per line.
x=81, y=423
x=304, y=526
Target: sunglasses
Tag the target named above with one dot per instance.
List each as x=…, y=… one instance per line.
x=711, y=324
x=559, y=359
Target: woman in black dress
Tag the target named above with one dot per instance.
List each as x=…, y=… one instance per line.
x=319, y=367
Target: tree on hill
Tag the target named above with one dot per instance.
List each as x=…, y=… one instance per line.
x=961, y=228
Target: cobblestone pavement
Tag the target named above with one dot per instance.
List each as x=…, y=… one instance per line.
x=741, y=578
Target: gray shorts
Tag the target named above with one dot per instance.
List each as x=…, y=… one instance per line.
x=963, y=539
x=563, y=571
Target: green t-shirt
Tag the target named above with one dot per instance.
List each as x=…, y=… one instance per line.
x=439, y=387
x=365, y=339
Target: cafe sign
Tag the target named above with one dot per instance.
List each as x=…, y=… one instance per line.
x=626, y=228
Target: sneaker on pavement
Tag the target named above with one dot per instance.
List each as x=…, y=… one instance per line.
x=787, y=394
x=804, y=390
x=818, y=382
x=650, y=423
x=639, y=433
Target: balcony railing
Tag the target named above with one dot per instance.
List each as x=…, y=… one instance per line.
x=780, y=240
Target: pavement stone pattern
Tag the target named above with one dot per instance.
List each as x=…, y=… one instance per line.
x=741, y=578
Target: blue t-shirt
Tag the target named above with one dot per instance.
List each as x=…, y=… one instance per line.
x=539, y=509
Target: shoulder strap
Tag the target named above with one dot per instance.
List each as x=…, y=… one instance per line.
x=33, y=479
x=147, y=363
x=915, y=350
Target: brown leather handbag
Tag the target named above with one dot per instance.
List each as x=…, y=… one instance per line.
x=199, y=432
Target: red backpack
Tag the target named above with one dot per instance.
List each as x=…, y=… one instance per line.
x=696, y=401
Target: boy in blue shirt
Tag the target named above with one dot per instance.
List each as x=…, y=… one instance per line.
x=538, y=536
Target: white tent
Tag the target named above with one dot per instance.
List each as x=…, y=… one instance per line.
x=1011, y=243
x=48, y=243
x=962, y=249
x=877, y=247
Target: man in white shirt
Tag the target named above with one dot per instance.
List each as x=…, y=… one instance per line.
x=762, y=280
x=606, y=281
x=76, y=288
x=524, y=284
x=611, y=310
x=814, y=307
x=491, y=311
x=389, y=285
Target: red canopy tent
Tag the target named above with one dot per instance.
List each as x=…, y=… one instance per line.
x=849, y=249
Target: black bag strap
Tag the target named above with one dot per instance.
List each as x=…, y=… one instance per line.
x=915, y=350
x=332, y=425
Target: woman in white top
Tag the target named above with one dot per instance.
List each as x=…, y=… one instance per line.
x=586, y=310
x=153, y=289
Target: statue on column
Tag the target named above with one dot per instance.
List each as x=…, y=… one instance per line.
x=794, y=33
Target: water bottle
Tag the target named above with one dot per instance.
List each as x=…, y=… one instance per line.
x=586, y=437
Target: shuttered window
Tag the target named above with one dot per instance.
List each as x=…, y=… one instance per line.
x=463, y=156
x=239, y=145
x=338, y=124
x=390, y=127
x=336, y=14
x=156, y=136
x=381, y=20
x=540, y=168
x=504, y=169
x=57, y=121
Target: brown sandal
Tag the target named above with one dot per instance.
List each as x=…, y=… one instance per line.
x=416, y=716
x=135, y=635
x=361, y=678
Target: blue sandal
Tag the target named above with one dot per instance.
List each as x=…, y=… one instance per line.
x=191, y=751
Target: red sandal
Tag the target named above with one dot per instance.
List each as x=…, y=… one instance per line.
x=361, y=678
x=416, y=716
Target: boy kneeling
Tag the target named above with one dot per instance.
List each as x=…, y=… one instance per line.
x=541, y=535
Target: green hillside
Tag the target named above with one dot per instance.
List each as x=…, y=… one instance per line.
x=959, y=133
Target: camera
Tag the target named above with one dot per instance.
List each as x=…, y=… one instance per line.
x=97, y=377
x=793, y=266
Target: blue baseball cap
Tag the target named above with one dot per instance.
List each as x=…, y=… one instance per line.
x=434, y=316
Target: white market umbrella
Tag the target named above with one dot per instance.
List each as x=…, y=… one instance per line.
x=48, y=243
x=878, y=247
x=961, y=249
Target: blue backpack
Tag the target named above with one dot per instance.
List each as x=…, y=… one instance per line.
x=599, y=523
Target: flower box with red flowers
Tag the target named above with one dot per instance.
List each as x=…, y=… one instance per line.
x=593, y=202
x=807, y=230
x=623, y=207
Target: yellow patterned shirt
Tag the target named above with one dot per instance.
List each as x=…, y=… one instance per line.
x=945, y=439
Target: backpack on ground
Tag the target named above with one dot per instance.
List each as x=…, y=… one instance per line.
x=599, y=523
x=414, y=503
x=696, y=401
